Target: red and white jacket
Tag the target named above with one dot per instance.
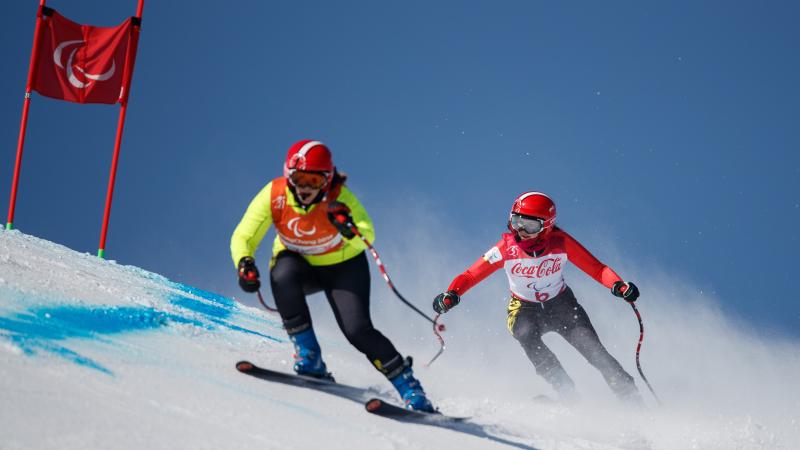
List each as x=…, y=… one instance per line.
x=535, y=278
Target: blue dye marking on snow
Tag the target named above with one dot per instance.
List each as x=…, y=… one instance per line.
x=42, y=329
x=203, y=308
x=69, y=321
x=214, y=307
x=29, y=347
x=210, y=296
x=248, y=331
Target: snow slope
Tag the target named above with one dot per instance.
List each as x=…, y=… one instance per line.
x=94, y=354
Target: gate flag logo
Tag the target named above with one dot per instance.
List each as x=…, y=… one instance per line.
x=81, y=63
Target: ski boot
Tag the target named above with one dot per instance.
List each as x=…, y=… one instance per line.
x=632, y=398
x=411, y=390
x=567, y=395
x=308, y=357
x=626, y=391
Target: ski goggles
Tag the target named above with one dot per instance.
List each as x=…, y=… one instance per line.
x=530, y=225
x=313, y=180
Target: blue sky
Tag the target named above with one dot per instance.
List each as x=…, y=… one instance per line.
x=663, y=128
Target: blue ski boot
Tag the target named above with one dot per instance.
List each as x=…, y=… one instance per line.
x=411, y=390
x=308, y=357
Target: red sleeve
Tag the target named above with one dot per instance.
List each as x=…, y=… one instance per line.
x=477, y=272
x=585, y=261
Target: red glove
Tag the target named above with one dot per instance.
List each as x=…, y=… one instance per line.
x=248, y=274
x=339, y=215
x=445, y=301
x=626, y=291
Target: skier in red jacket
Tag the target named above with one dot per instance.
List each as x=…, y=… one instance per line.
x=533, y=255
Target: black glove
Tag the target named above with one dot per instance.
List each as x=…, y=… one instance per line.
x=444, y=301
x=248, y=274
x=626, y=291
x=339, y=215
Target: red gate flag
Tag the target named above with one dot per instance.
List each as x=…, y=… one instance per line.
x=82, y=63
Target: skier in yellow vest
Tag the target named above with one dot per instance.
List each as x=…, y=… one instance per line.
x=315, y=250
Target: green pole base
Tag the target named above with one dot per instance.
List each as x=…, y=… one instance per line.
x=9, y=226
x=101, y=253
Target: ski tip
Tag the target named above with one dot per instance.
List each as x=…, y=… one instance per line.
x=244, y=366
x=373, y=404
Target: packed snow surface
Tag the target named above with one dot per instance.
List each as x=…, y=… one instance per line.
x=98, y=355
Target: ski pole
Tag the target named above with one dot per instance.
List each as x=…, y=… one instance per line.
x=437, y=327
x=264, y=304
x=638, y=349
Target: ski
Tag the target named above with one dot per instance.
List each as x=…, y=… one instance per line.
x=458, y=424
x=384, y=409
x=368, y=397
x=353, y=393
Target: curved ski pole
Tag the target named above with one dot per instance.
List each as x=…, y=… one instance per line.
x=264, y=304
x=638, y=349
x=437, y=327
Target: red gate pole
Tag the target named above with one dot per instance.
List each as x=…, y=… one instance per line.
x=126, y=84
x=24, y=123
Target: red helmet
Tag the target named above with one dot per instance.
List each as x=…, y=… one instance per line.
x=535, y=205
x=309, y=156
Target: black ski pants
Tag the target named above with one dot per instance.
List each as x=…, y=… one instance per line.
x=528, y=321
x=346, y=286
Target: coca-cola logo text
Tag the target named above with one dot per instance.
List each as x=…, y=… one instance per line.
x=547, y=267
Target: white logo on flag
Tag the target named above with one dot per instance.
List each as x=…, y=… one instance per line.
x=73, y=80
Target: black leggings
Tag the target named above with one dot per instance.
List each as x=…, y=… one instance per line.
x=346, y=285
x=528, y=321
